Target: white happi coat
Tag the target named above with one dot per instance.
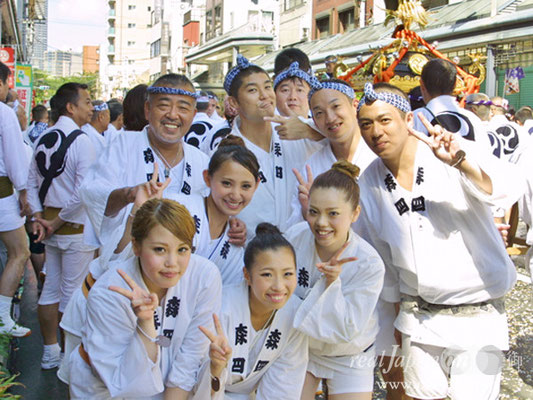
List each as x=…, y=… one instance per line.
x=445, y=111
x=272, y=199
x=341, y=320
x=275, y=366
x=511, y=138
x=129, y=161
x=213, y=138
x=321, y=162
x=64, y=191
x=97, y=139
x=201, y=125
x=14, y=165
x=226, y=256
x=439, y=242
x=120, y=367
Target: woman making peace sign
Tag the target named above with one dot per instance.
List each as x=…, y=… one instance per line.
x=141, y=338
x=339, y=277
x=256, y=349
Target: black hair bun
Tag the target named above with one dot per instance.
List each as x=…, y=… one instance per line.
x=265, y=228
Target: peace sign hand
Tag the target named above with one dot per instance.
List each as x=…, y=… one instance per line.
x=333, y=268
x=150, y=190
x=142, y=302
x=219, y=349
x=304, y=187
x=443, y=143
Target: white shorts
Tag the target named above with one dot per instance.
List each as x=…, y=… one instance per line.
x=65, y=272
x=10, y=212
x=358, y=378
x=432, y=372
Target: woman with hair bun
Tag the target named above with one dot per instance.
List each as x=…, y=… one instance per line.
x=141, y=336
x=232, y=177
x=262, y=352
x=339, y=277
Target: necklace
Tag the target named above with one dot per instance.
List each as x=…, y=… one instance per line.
x=168, y=166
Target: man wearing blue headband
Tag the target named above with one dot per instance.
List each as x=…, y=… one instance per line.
x=129, y=161
x=332, y=104
x=98, y=125
x=251, y=93
x=425, y=208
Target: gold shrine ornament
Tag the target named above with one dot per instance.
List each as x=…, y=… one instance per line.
x=417, y=62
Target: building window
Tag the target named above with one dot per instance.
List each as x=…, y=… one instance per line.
x=218, y=20
x=209, y=24
x=288, y=4
x=346, y=20
x=130, y=43
x=131, y=61
x=322, y=27
x=155, y=48
x=131, y=7
x=132, y=25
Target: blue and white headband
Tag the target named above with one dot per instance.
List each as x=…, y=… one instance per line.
x=316, y=85
x=202, y=99
x=169, y=90
x=242, y=64
x=480, y=103
x=393, y=99
x=101, y=107
x=293, y=71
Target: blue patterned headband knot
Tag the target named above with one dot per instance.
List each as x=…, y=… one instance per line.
x=242, y=64
x=169, y=90
x=293, y=71
x=316, y=85
x=101, y=107
x=392, y=98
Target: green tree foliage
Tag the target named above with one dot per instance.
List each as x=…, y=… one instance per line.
x=46, y=85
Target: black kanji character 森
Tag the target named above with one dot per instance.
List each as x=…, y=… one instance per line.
x=273, y=339
x=303, y=278
x=241, y=332
x=418, y=204
x=173, y=307
x=401, y=206
x=148, y=156
x=188, y=169
x=390, y=184
x=225, y=250
x=238, y=365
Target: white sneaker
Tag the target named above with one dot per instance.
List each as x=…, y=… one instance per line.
x=10, y=327
x=50, y=360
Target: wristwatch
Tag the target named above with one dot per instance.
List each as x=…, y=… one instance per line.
x=215, y=384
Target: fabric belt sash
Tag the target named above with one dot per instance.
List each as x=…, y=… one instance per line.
x=418, y=305
x=68, y=228
x=87, y=285
x=6, y=187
